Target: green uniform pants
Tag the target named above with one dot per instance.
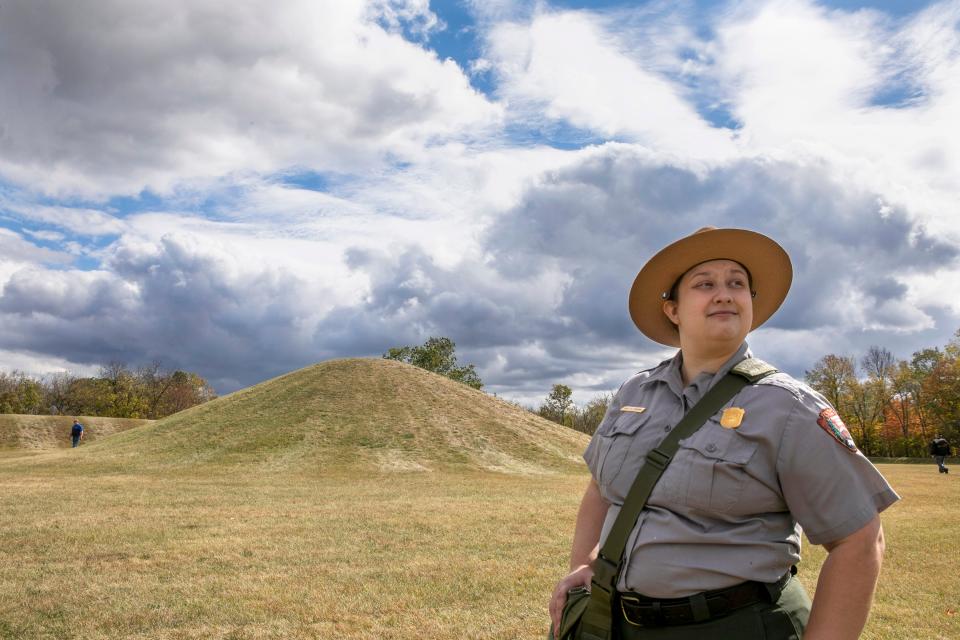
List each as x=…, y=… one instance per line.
x=783, y=620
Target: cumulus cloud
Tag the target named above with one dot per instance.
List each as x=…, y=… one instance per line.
x=72, y=294
x=601, y=220
x=323, y=185
x=513, y=327
x=549, y=303
x=868, y=94
x=116, y=97
x=199, y=306
x=542, y=299
x=871, y=96
x=841, y=243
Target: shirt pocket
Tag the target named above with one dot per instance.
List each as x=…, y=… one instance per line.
x=615, y=445
x=717, y=471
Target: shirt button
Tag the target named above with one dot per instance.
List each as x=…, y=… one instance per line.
x=711, y=447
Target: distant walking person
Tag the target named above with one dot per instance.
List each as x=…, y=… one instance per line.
x=76, y=433
x=940, y=449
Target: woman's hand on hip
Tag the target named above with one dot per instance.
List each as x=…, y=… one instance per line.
x=579, y=577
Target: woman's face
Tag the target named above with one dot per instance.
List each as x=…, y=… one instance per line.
x=713, y=305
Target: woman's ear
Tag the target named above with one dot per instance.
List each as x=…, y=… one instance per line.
x=670, y=310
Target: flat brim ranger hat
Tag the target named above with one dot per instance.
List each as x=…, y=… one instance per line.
x=767, y=262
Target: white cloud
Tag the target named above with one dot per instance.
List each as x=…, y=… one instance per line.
x=441, y=204
x=67, y=293
x=935, y=288
x=39, y=365
x=178, y=93
x=45, y=236
x=414, y=13
x=791, y=60
x=253, y=249
x=78, y=220
x=15, y=252
x=494, y=11
x=181, y=299
x=571, y=66
x=433, y=218
x=804, y=81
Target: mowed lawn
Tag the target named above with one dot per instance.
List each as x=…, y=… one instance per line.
x=100, y=553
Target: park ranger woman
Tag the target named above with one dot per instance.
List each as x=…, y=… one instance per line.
x=714, y=549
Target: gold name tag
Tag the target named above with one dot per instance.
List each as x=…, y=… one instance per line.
x=731, y=418
x=630, y=409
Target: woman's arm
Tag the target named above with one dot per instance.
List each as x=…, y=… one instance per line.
x=586, y=538
x=846, y=584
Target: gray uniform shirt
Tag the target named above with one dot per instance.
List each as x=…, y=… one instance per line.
x=730, y=506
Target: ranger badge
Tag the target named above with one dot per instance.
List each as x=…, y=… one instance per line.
x=731, y=417
x=832, y=424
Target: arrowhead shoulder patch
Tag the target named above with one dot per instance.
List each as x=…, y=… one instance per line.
x=830, y=422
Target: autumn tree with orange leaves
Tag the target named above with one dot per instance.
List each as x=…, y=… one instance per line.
x=894, y=407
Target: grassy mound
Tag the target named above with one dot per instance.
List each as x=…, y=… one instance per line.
x=53, y=432
x=341, y=414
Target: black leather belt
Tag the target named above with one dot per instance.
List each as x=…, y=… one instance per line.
x=642, y=611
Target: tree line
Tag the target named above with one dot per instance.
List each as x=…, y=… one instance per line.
x=116, y=392
x=894, y=407
x=559, y=407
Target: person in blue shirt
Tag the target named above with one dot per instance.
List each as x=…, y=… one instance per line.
x=76, y=433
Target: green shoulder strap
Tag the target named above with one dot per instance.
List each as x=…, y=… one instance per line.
x=597, y=619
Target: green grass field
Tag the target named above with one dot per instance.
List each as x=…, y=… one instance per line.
x=222, y=554
x=352, y=499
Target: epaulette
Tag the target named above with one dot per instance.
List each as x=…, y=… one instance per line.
x=753, y=369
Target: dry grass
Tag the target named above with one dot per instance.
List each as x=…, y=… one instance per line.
x=353, y=499
x=370, y=413
x=392, y=556
x=52, y=432
x=222, y=554
x=919, y=591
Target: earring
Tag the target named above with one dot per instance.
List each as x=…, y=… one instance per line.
x=753, y=294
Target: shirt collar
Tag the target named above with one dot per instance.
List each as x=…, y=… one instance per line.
x=742, y=354
x=671, y=372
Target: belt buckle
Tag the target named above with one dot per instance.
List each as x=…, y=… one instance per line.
x=654, y=610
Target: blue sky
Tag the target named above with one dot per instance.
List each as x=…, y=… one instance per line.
x=245, y=194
